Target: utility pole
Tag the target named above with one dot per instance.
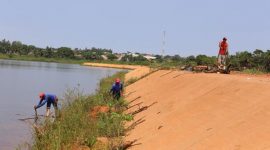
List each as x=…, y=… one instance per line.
x=163, y=44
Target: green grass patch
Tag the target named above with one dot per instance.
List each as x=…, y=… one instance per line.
x=253, y=71
x=131, y=81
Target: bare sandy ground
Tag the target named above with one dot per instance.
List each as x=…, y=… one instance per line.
x=200, y=111
x=137, y=71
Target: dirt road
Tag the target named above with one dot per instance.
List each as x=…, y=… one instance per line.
x=200, y=111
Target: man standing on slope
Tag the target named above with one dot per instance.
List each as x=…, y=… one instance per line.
x=49, y=99
x=117, y=89
x=223, y=53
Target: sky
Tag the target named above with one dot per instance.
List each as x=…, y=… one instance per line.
x=192, y=26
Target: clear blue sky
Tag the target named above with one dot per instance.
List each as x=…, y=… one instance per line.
x=192, y=26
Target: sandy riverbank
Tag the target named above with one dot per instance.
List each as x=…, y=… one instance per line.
x=137, y=71
x=197, y=111
x=200, y=111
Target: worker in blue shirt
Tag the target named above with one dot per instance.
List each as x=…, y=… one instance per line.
x=49, y=99
x=117, y=89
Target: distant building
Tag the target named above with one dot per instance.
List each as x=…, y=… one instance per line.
x=146, y=56
x=135, y=55
x=119, y=56
x=150, y=57
x=104, y=57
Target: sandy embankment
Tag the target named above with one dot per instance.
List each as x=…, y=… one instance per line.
x=137, y=71
x=200, y=111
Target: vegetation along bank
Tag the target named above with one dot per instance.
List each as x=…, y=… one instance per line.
x=85, y=120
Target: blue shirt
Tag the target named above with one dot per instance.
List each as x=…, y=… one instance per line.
x=116, y=88
x=48, y=98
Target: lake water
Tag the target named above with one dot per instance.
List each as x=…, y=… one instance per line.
x=22, y=81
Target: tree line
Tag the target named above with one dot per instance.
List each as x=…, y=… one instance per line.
x=18, y=48
x=257, y=60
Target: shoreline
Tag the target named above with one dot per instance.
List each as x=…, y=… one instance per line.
x=135, y=73
x=118, y=66
x=99, y=105
x=42, y=59
x=89, y=119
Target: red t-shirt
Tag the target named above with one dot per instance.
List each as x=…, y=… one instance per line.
x=223, y=45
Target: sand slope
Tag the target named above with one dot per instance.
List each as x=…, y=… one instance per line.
x=201, y=111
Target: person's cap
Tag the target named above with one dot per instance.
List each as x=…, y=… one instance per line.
x=224, y=39
x=41, y=95
x=117, y=80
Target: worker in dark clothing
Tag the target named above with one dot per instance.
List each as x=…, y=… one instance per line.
x=117, y=89
x=49, y=99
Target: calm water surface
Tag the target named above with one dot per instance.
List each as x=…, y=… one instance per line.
x=20, y=84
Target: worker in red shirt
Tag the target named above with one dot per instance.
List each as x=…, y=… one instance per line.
x=223, y=52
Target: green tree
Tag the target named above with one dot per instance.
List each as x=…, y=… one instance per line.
x=48, y=52
x=191, y=58
x=24, y=50
x=190, y=61
x=37, y=52
x=159, y=58
x=245, y=59
x=65, y=52
x=258, y=52
x=91, y=55
x=176, y=58
x=2, y=49
x=16, y=47
x=266, y=63
x=205, y=60
x=87, y=54
x=258, y=60
x=111, y=56
x=31, y=48
x=241, y=60
x=6, y=46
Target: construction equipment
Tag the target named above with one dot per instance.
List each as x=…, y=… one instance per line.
x=212, y=69
x=224, y=69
